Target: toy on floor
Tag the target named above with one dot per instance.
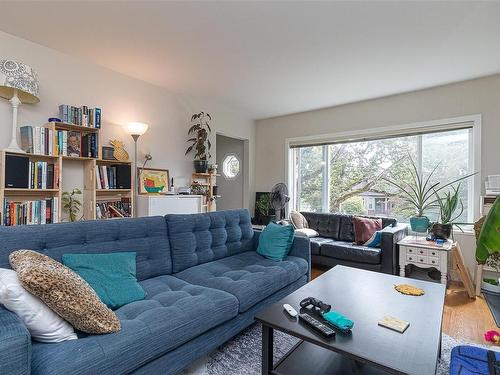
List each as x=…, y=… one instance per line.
x=492, y=336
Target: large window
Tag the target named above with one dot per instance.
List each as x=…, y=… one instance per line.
x=348, y=177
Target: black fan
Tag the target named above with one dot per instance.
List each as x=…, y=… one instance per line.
x=279, y=200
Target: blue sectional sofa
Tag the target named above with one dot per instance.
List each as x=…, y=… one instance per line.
x=204, y=283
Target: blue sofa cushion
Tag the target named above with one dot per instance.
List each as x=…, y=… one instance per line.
x=173, y=313
x=201, y=238
x=146, y=236
x=248, y=276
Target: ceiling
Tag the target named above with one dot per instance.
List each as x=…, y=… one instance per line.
x=272, y=58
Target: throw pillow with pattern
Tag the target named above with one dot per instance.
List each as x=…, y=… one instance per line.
x=64, y=292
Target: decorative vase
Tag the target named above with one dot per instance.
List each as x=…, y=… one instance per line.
x=419, y=223
x=441, y=231
x=200, y=166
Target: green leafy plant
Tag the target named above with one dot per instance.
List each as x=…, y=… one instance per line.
x=421, y=192
x=448, y=204
x=71, y=203
x=200, y=144
x=263, y=204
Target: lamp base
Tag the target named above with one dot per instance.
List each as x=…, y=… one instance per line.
x=14, y=147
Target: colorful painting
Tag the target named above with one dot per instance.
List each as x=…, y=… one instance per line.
x=153, y=181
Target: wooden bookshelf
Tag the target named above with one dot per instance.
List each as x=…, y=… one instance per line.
x=92, y=195
x=206, y=181
x=23, y=195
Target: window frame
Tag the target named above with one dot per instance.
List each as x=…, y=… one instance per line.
x=472, y=121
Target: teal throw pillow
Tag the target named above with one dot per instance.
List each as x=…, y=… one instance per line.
x=275, y=241
x=111, y=275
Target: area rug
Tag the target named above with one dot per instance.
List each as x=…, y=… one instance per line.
x=493, y=302
x=242, y=354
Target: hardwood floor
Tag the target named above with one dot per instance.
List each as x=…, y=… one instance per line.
x=463, y=318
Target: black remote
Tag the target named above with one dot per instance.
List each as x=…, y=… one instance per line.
x=317, y=325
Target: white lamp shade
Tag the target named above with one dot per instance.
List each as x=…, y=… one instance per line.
x=14, y=76
x=136, y=128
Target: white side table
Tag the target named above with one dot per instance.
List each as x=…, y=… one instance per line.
x=424, y=254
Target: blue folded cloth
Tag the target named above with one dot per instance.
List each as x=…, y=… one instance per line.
x=338, y=320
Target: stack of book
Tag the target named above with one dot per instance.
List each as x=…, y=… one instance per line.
x=83, y=116
x=37, y=140
x=43, y=211
x=113, y=209
x=43, y=175
x=112, y=177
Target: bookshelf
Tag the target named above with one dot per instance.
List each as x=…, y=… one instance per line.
x=91, y=195
x=206, y=181
x=24, y=195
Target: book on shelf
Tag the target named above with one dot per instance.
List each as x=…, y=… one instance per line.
x=43, y=175
x=113, y=209
x=37, y=140
x=43, y=211
x=113, y=177
x=82, y=116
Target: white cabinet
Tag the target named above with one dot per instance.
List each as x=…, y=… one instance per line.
x=159, y=205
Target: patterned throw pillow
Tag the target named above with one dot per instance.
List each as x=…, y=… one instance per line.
x=298, y=220
x=64, y=292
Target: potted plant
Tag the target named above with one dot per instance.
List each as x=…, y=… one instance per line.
x=420, y=193
x=200, y=143
x=263, y=209
x=71, y=204
x=448, y=204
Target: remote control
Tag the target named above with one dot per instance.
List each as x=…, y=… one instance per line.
x=317, y=325
x=290, y=310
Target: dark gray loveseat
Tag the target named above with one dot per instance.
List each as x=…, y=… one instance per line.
x=335, y=244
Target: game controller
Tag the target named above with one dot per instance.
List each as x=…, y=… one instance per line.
x=315, y=305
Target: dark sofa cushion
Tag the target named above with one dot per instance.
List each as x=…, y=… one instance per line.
x=317, y=242
x=327, y=225
x=348, y=251
x=346, y=231
x=248, y=276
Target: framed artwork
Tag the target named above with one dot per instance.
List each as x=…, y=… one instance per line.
x=153, y=181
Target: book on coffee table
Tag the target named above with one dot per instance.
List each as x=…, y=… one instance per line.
x=394, y=323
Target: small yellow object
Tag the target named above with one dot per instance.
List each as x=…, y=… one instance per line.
x=119, y=152
x=409, y=289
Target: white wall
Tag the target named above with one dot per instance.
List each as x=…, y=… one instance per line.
x=479, y=96
x=67, y=80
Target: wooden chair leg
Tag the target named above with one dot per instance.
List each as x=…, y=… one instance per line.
x=479, y=278
x=458, y=260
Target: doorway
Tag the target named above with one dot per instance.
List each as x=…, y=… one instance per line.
x=230, y=153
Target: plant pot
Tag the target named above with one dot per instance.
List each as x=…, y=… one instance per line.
x=419, y=223
x=200, y=166
x=441, y=231
x=266, y=219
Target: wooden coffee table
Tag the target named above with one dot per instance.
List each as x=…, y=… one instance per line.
x=365, y=297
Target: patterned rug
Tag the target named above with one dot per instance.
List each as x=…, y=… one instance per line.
x=242, y=354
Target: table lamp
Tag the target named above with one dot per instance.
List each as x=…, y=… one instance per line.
x=18, y=84
x=136, y=129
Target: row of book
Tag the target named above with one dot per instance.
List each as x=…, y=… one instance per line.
x=83, y=116
x=37, y=140
x=113, y=209
x=43, y=175
x=44, y=141
x=113, y=177
x=45, y=211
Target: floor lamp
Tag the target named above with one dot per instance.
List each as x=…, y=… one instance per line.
x=136, y=129
x=18, y=84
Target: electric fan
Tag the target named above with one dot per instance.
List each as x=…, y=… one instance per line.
x=279, y=200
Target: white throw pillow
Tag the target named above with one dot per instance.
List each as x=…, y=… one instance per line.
x=43, y=324
x=308, y=232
